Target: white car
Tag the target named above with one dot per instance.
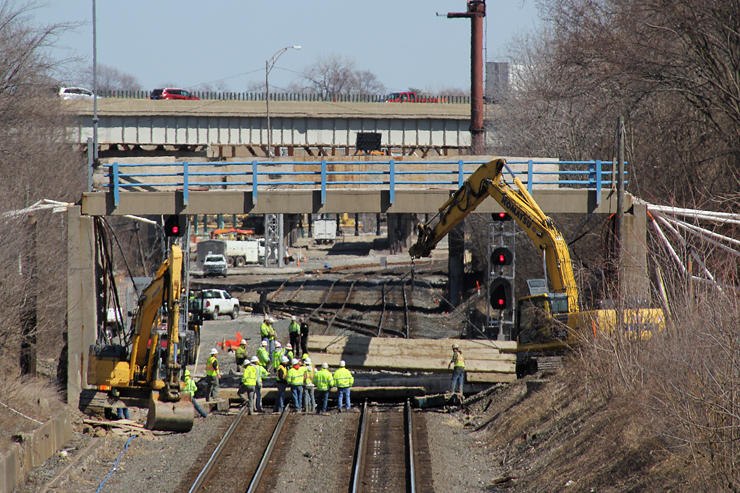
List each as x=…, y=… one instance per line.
x=217, y=302
x=76, y=93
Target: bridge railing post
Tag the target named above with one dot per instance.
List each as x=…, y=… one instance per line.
x=116, y=191
x=185, y=180
x=530, y=176
x=254, y=182
x=392, y=180
x=323, y=181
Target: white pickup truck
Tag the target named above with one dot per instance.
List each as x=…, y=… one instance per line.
x=217, y=302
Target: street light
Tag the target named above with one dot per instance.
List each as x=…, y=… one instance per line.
x=269, y=64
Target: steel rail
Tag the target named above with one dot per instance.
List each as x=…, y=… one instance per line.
x=204, y=473
x=410, y=456
x=268, y=452
x=358, y=464
x=346, y=299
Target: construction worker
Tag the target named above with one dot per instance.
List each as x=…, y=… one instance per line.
x=304, y=335
x=324, y=382
x=343, y=380
x=296, y=376
x=458, y=364
x=263, y=356
x=289, y=351
x=261, y=374
x=240, y=354
x=309, y=398
x=271, y=336
x=212, y=375
x=294, y=331
x=248, y=384
x=278, y=354
x=114, y=400
x=281, y=382
x=265, y=330
x=190, y=389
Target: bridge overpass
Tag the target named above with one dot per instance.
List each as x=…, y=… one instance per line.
x=233, y=128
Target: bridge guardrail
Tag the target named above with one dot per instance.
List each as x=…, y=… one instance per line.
x=327, y=175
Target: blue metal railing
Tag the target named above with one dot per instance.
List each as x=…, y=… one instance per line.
x=390, y=173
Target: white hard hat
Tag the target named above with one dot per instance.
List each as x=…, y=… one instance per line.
x=244, y=342
x=324, y=365
x=277, y=344
x=289, y=346
x=214, y=351
x=308, y=361
x=284, y=359
x=292, y=317
x=294, y=362
x=342, y=364
x=254, y=359
x=455, y=346
x=264, y=343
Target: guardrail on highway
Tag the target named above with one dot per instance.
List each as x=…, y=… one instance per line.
x=325, y=175
x=287, y=96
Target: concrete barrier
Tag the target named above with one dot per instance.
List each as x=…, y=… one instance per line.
x=33, y=449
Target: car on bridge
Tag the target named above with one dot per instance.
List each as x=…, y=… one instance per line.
x=170, y=93
x=76, y=93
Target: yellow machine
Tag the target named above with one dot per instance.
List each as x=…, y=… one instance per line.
x=547, y=321
x=137, y=365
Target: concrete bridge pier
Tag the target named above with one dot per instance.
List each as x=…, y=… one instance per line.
x=400, y=228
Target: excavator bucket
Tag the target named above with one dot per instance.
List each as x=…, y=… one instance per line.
x=170, y=416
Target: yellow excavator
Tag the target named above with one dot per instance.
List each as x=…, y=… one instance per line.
x=148, y=364
x=543, y=322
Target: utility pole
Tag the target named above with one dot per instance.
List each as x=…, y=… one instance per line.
x=476, y=12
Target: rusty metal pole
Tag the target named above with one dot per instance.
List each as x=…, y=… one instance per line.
x=476, y=12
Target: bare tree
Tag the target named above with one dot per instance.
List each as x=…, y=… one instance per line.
x=333, y=74
x=111, y=79
x=37, y=162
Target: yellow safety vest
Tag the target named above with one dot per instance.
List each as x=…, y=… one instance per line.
x=296, y=377
x=459, y=361
x=212, y=366
x=250, y=376
x=343, y=378
x=323, y=380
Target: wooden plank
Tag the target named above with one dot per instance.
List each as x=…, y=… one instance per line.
x=476, y=377
x=414, y=364
x=355, y=343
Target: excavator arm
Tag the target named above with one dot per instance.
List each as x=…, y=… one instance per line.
x=518, y=203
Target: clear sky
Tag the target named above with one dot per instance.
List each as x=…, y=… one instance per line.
x=186, y=43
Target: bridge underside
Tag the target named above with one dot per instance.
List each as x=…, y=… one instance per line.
x=552, y=201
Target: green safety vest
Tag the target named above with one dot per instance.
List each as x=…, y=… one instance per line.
x=261, y=373
x=271, y=332
x=309, y=373
x=190, y=387
x=277, y=357
x=281, y=374
x=264, y=330
x=250, y=375
x=323, y=380
x=459, y=361
x=241, y=352
x=296, y=376
x=343, y=378
x=263, y=356
x=294, y=327
x=212, y=366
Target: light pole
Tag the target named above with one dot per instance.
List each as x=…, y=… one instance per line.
x=269, y=64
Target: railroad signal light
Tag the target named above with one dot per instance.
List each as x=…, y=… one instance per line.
x=500, y=216
x=175, y=225
x=501, y=294
x=502, y=256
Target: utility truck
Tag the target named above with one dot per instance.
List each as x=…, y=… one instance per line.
x=546, y=322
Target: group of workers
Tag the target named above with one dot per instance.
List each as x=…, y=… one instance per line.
x=309, y=386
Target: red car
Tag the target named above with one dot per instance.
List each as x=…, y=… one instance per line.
x=171, y=94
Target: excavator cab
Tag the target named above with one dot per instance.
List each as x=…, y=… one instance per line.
x=541, y=319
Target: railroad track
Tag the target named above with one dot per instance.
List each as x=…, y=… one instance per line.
x=388, y=447
x=390, y=312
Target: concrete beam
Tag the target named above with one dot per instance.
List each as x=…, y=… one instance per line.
x=552, y=201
